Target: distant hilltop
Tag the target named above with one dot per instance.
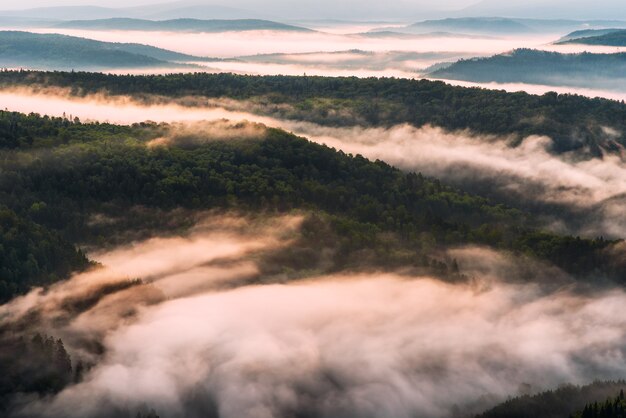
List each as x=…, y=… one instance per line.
x=180, y=25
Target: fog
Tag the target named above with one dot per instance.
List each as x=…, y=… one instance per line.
x=193, y=325
x=206, y=323
x=201, y=336
x=590, y=192
x=234, y=44
x=342, y=52
x=336, y=50
x=542, y=89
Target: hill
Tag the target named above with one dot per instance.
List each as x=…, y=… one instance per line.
x=106, y=169
x=585, y=33
x=193, y=9
x=603, y=71
x=472, y=26
x=59, y=52
x=180, y=25
x=611, y=37
x=574, y=122
x=494, y=26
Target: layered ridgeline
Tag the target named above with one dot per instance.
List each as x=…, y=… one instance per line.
x=60, y=177
x=499, y=26
x=548, y=9
x=180, y=25
x=573, y=122
x=603, y=71
x=607, y=37
x=61, y=52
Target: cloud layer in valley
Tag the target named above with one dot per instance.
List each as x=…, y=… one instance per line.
x=200, y=337
x=592, y=189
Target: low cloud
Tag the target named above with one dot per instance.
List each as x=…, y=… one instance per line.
x=368, y=344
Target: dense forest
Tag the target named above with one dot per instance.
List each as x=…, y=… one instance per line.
x=611, y=408
x=565, y=401
x=31, y=254
x=38, y=364
x=58, y=173
x=605, y=71
x=574, y=122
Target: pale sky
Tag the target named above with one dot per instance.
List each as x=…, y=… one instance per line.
x=13, y=5
x=374, y=9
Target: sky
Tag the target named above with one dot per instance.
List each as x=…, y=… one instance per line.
x=10, y=5
x=373, y=9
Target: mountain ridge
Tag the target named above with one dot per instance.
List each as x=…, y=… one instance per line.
x=183, y=25
x=58, y=52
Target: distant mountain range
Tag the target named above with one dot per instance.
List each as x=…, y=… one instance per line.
x=63, y=13
x=549, y=9
x=354, y=10
x=180, y=25
x=172, y=10
x=601, y=71
x=61, y=52
x=494, y=26
x=608, y=37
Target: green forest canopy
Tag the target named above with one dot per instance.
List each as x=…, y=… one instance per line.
x=573, y=122
x=57, y=173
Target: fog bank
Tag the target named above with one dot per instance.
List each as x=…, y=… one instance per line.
x=200, y=338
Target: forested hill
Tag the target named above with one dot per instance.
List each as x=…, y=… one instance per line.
x=180, y=25
x=367, y=212
x=473, y=25
x=52, y=51
x=574, y=122
x=578, y=35
x=604, y=71
x=611, y=38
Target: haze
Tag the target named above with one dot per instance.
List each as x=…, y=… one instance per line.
x=373, y=10
x=313, y=208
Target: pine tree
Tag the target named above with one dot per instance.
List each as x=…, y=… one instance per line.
x=63, y=362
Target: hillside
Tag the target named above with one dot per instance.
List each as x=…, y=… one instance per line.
x=472, y=26
x=612, y=37
x=604, y=71
x=347, y=101
x=180, y=25
x=498, y=26
x=585, y=33
x=109, y=170
x=61, y=52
